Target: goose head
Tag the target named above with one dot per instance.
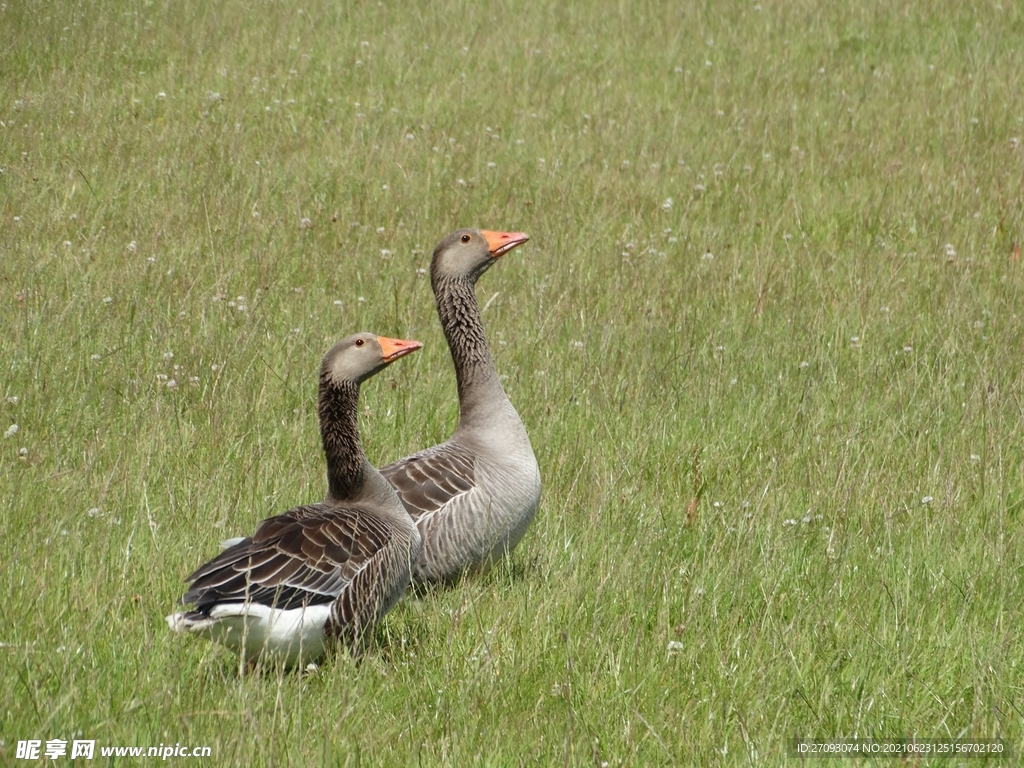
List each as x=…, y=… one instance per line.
x=361, y=355
x=468, y=253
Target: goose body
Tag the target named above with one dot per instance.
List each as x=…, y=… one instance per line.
x=321, y=573
x=474, y=496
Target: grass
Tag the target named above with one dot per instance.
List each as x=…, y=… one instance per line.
x=774, y=268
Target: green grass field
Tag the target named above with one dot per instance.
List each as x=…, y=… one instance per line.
x=767, y=338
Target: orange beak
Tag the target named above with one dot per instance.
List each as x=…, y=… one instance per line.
x=392, y=349
x=500, y=243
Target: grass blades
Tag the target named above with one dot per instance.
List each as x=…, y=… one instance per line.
x=766, y=337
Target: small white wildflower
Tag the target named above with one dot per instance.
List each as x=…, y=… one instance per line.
x=11, y=431
x=337, y=302
x=667, y=205
x=296, y=331
x=193, y=380
x=975, y=457
x=577, y=344
x=380, y=230
x=17, y=218
x=803, y=364
x=421, y=271
x=674, y=646
x=385, y=253
x=108, y=299
x=67, y=243
x=22, y=452
x=172, y=384
x=806, y=518
x=927, y=500
x=698, y=187
x=362, y=299
x=94, y=512
x=305, y=223
x=161, y=95
x=492, y=165
x=409, y=137
x=161, y=377
x=133, y=247
x=950, y=250
x=789, y=521
x=907, y=348
x=94, y=357
x=13, y=399
x=168, y=355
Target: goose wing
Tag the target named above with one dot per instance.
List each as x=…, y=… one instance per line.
x=430, y=480
x=309, y=555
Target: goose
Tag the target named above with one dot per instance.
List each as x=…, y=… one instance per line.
x=322, y=573
x=474, y=496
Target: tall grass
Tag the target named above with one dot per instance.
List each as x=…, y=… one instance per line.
x=766, y=338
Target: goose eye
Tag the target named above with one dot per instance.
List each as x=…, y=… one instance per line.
x=466, y=238
x=360, y=342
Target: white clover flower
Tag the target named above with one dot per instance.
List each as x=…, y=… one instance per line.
x=667, y=205
x=11, y=431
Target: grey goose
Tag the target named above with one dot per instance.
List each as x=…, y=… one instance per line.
x=321, y=573
x=474, y=496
